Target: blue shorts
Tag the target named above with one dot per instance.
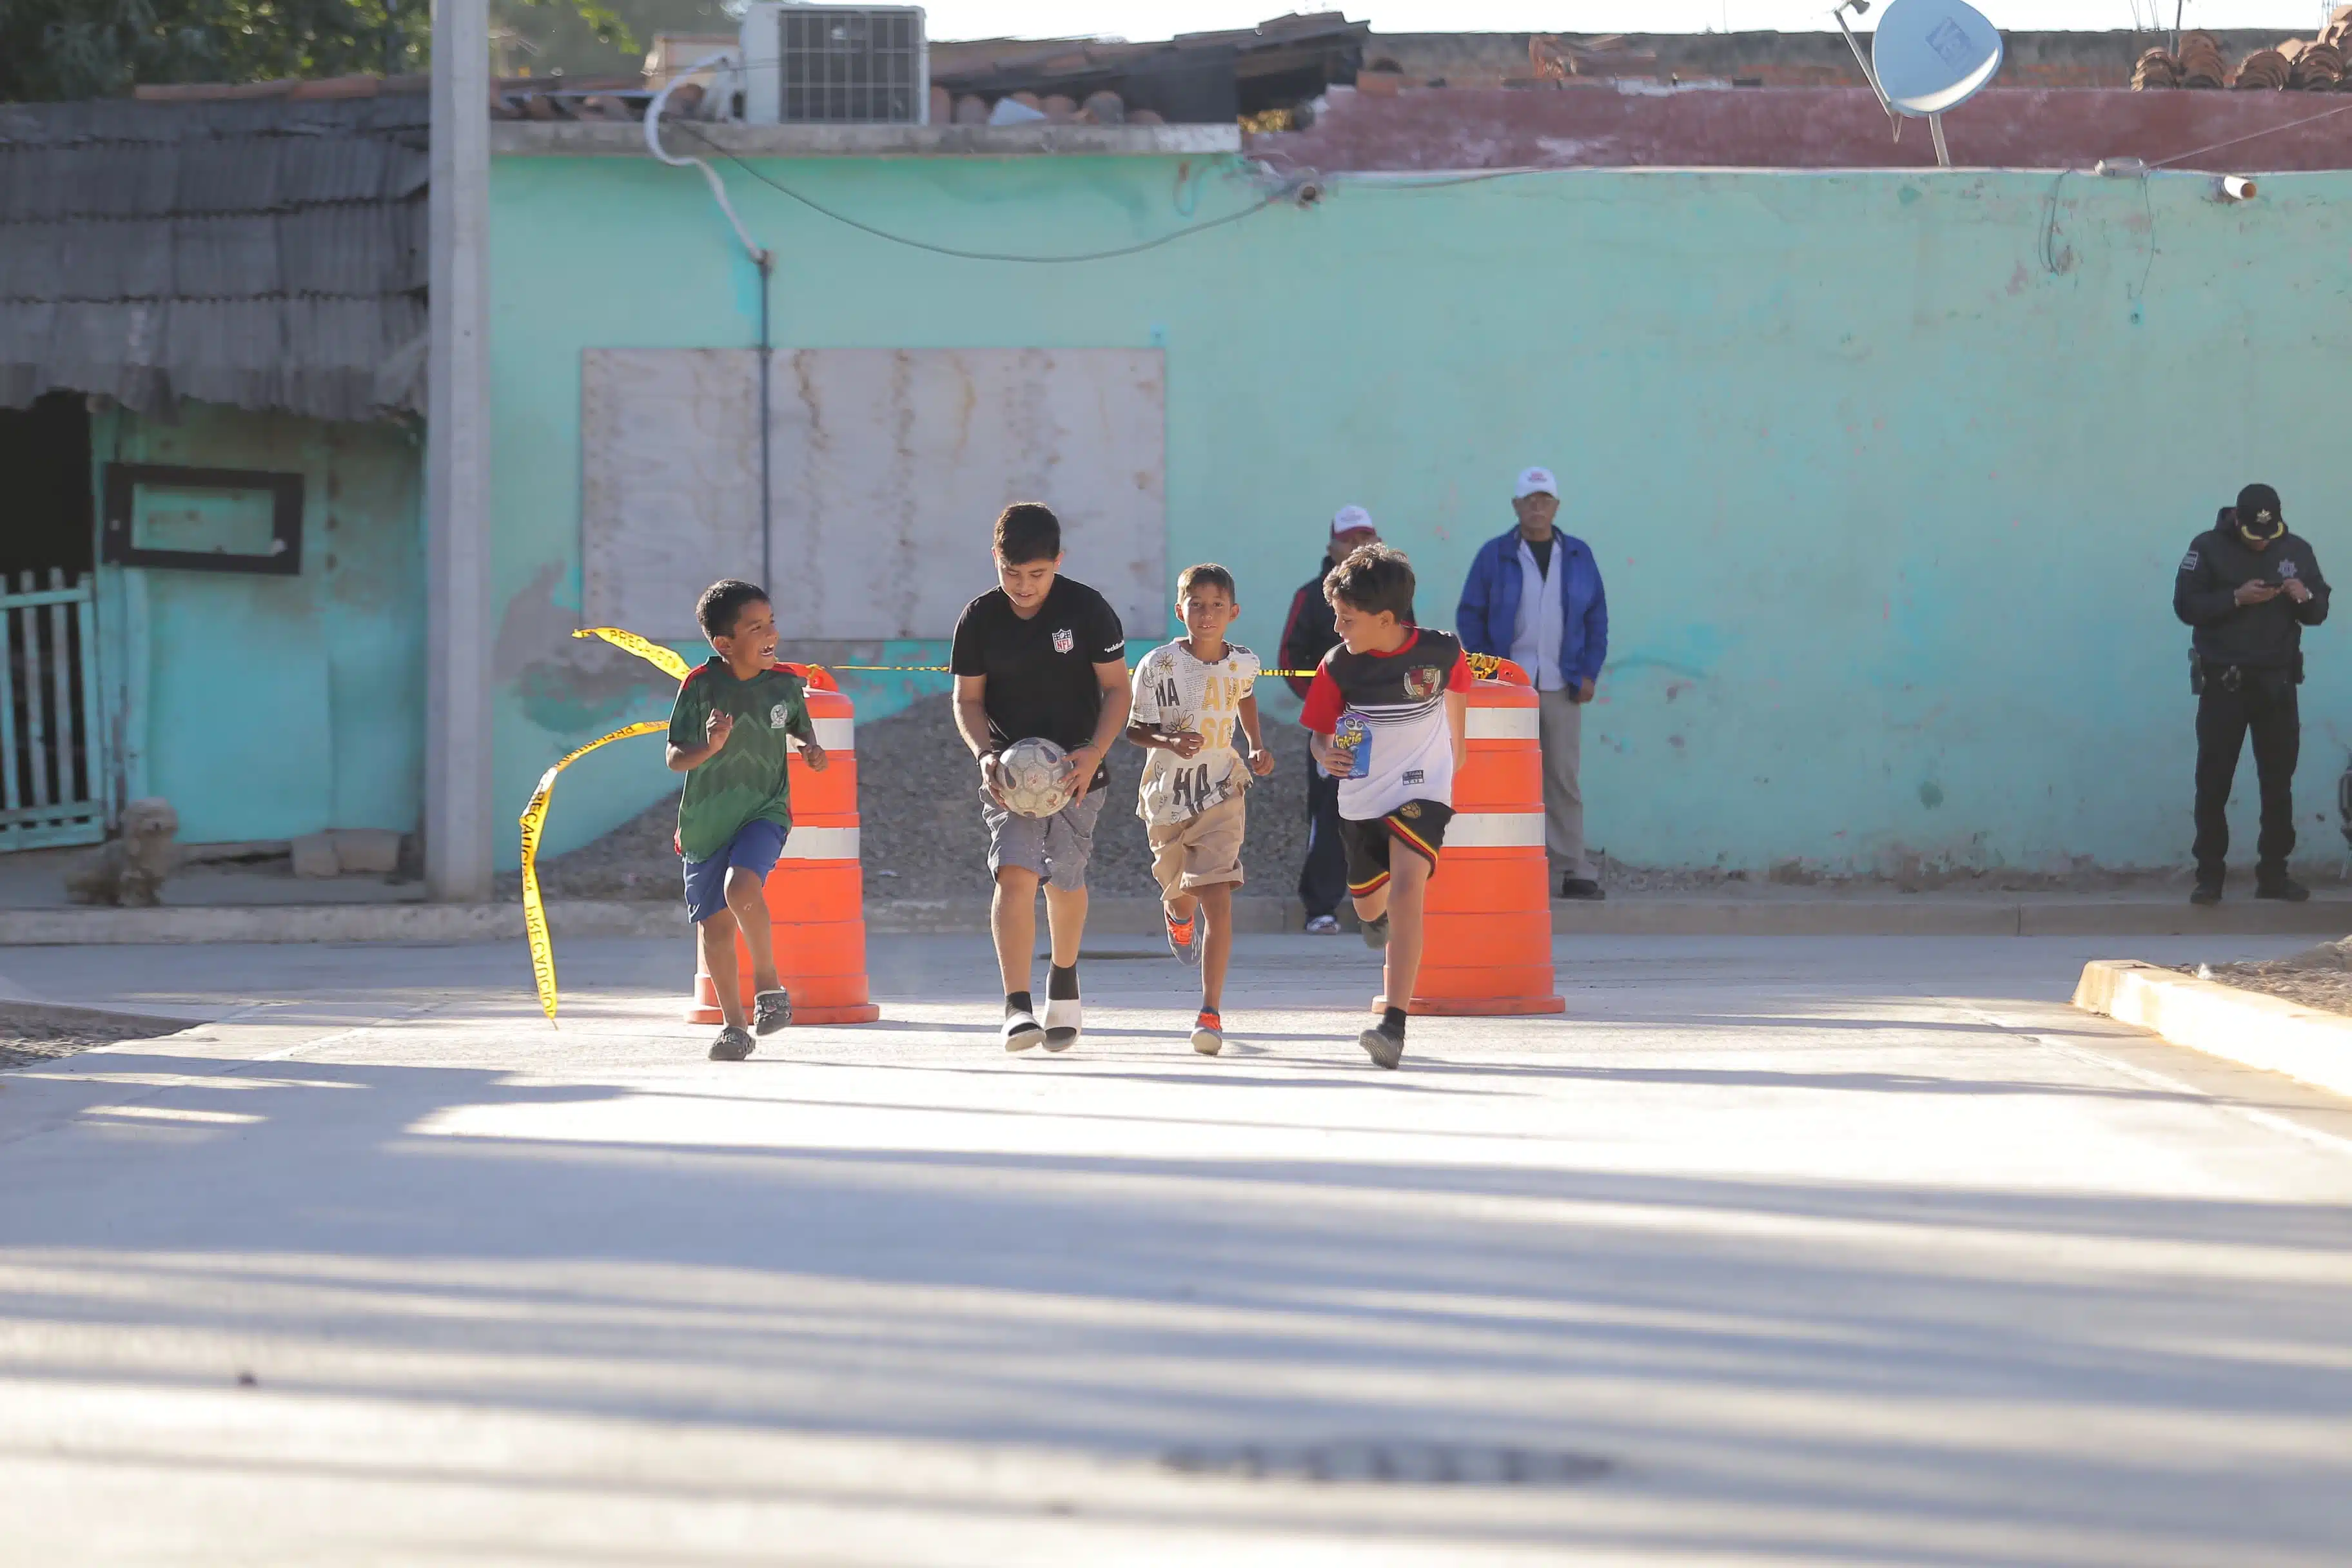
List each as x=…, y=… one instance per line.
x=756, y=846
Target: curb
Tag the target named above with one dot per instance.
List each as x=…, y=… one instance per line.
x=2243, y=1027
x=330, y=922
x=1927, y=916
x=576, y=919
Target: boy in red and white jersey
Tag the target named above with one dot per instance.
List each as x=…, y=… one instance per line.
x=1388, y=710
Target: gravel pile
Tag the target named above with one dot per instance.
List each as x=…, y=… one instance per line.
x=919, y=811
x=2319, y=978
x=23, y=1043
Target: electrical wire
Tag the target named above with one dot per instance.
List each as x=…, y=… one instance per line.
x=652, y=123
x=1405, y=180
x=2147, y=212
x=2252, y=135
x=2052, y=260
x=961, y=255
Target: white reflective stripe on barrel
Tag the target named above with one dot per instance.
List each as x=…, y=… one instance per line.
x=820, y=844
x=1502, y=723
x=1487, y=830
x=840, y=735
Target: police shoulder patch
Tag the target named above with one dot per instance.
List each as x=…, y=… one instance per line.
x=2188, y=562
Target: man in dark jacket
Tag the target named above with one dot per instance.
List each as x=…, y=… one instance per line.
x=2249, y=587
x=1306, y=637
x=1534, y=597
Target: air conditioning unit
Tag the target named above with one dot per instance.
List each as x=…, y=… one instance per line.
x=835, y=65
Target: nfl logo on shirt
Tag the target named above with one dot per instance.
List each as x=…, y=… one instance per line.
x=1063, y=642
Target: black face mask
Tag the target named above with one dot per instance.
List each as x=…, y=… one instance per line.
x=2260, y=529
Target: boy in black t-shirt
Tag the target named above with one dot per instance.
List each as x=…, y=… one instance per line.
x=1388, y=716
x=1039, y=654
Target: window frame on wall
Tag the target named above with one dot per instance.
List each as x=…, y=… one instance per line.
x=122, y=481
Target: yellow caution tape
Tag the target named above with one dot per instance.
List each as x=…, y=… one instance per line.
x=943, y=668
x=669, y=663
x=1482, y=665
x=1495, y=667
x=534, y=818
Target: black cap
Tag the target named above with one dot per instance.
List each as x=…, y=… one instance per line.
x=2259, y=510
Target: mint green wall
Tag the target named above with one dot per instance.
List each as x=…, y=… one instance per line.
x=266, y=707
x=1888, y=472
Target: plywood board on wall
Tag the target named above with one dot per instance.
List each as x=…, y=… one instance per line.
x=889, y=466
x=891, y=463
x=669, y=482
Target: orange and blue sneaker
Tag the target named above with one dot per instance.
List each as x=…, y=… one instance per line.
x=1208, y=1033
x=1180, y=939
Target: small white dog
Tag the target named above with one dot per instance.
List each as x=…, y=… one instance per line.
x=130, y=869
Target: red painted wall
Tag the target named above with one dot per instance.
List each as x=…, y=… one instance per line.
x=1812, y=128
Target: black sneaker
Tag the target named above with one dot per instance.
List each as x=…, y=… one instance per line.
x=2206, y=893
x=733, y=1044
x=770, y=1010
x=1581, y=887
x=1375, y=932
x=1384, y=1046
x=2287, y=889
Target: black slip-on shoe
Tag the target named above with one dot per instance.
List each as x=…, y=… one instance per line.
x=1383, y=1047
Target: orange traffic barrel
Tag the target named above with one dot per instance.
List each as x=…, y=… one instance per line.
x=1488, y=910
x=816, y=894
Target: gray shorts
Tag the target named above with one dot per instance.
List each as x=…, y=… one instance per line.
x=1057, y=848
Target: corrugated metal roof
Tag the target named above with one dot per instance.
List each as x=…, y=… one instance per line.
x=266, y=253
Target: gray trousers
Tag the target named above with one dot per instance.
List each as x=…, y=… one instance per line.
x=1560, y=733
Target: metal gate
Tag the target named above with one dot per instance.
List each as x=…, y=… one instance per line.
x=53, y=773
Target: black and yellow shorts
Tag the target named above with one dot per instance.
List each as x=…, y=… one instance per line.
x=1418, y=825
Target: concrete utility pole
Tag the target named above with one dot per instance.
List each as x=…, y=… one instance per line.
x=457, y=814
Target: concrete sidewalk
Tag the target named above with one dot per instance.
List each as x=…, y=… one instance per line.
x=1768, y=1252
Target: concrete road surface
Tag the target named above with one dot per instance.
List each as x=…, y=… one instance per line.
x=1804, y=1252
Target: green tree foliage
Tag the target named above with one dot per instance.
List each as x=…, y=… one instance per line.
x=89, y=49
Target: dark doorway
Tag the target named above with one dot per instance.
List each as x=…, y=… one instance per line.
x=45, y=468
x=53, y=760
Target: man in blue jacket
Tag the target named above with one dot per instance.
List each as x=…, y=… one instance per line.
x=1534, y=597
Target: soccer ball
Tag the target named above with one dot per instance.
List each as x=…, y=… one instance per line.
x=1034, y=777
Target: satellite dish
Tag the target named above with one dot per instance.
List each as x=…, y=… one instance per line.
x=1930, y=55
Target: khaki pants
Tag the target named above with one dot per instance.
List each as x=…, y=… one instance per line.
x=1560, y=733
x=1201, y=851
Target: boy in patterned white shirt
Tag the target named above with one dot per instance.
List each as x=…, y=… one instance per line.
x=1188, y=696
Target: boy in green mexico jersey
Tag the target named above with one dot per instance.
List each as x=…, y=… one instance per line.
x=731, y=735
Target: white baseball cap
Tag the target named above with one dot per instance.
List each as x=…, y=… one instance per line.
x=1535, y=482
x=1348, y=519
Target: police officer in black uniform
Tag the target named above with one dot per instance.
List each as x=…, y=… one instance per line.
x=2249, y=587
